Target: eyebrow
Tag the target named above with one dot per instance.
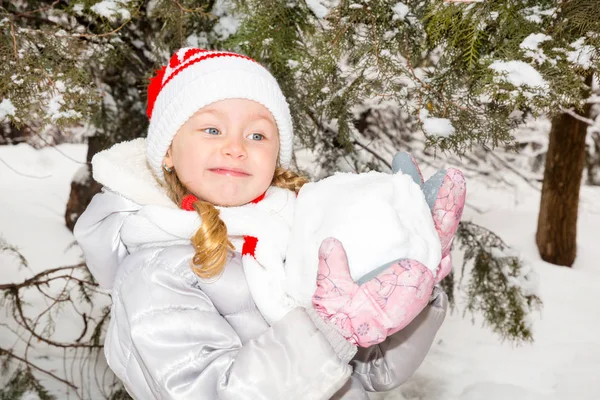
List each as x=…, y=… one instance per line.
x=209, y=111
x=218, y=113
x=265, y=117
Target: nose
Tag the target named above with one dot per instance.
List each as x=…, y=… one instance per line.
x=234, y=147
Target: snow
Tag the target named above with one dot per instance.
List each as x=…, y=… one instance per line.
x=28, y=395
x=32, y=215
x=199, y=40
x=531, y=46
x=78, y=9
x=55, y=111
x=519, y=73
x=438, y=127
x=227, y=26
x=16, y=79
x=109, y=9
x=466, y=362
x=582, y=55
x=321, y=7
x=82, y=175
x=6, y=108
x=398, y=221
x=400, y=10
x=535, y=14
x=435, y=126
x=228, y=22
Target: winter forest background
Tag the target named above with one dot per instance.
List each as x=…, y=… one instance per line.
x=505, y=90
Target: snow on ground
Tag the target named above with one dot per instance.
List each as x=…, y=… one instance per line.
x=467, y=362
x=32, y=207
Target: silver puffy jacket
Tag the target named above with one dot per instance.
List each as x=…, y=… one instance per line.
x=173, y=336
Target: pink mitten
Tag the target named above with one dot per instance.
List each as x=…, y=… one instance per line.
x=369, y=313
x=447, y=211
x=445, y=192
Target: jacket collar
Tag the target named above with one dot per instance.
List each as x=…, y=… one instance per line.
x=123, y=169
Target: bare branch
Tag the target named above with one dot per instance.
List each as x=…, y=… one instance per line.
x=573, y=114
x=22, y=320
x=23, y=174
x=374, y=154
x=60, y=151
x=31, y=365
x=33, y=281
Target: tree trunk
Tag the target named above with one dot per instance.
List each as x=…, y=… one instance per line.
x=83, y=190
x=556, y=236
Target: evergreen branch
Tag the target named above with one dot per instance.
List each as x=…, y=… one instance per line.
x=38, y=18
x=38, y=10
x=473, y=51
x=14, y=38
x=197, y=10
x=80, y=35
x=5, y=352
x=376, y=43
x=494, y=288
x=99, y=35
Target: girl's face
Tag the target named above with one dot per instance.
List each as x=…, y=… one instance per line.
x=226, y=153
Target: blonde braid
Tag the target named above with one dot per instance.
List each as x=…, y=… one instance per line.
x=211, y=242
x=286, y=179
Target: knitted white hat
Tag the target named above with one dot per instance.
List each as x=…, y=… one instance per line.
x=196, y=78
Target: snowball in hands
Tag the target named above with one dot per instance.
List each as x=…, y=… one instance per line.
x=378, y=217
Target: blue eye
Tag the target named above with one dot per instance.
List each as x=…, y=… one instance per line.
x=257, y=136
x=212, y=131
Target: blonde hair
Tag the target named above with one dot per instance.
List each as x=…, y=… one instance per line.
x=211, y=243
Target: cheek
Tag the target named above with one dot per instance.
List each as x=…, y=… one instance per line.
x=188, y=161
x=269, y=159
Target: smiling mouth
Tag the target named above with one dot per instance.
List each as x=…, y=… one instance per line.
x=230, y=172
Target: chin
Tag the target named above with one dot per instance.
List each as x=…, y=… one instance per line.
x=230, y=201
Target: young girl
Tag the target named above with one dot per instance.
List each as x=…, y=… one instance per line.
x=183, y=323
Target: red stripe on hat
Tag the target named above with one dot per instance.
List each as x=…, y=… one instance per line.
x=197, y=60
x=188, y=54
x=154, y=89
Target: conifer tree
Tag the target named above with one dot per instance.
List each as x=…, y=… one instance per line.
x=362, y=77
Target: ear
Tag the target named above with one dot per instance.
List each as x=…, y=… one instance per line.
x=168, y=160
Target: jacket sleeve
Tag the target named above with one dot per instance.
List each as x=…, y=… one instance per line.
x=168, y=341
x=388, y=365
x=97, y=233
